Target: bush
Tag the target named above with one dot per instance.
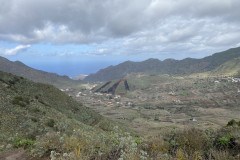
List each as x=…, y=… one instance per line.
x=126, y=146
x=50, y=142
x=190, y=142
x=25, y=143
x=18, y=100
x=231, y=123
x=155, y=147
x=50, y=123
x=224, y=141
x=222, y=155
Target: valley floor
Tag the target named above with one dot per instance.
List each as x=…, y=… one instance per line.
x=162, y=106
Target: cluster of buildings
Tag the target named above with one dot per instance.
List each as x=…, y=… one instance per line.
x=229, y=79
x=235, y=80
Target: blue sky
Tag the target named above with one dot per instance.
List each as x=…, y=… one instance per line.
x=82, y=36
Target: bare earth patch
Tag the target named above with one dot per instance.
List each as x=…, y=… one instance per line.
x=18, y=154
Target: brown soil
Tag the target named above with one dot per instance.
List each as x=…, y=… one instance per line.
x=18, y=154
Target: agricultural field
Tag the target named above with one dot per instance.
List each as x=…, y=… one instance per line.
x=159, y=103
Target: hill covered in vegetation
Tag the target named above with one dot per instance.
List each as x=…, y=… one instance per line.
x=229, y=68
x=135, y=81
x=169, y=66
x=49, y=123
x=20, y=69
x=35, y=113
x=31, y=109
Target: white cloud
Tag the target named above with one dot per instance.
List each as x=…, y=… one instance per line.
x=99, y=52
x=141, y=25
x=15, y=50
x=66, y=54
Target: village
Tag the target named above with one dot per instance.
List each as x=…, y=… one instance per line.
x=91, y=98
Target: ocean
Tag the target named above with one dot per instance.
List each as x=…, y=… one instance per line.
x=71, y=68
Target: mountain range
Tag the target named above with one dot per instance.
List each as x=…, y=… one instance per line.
x=20, y=69
x=151, y=66
x=169, y=66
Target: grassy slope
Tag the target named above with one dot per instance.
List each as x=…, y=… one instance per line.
x=31, y=109
x=229, y=68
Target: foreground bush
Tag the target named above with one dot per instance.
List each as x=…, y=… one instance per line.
x=87, y=143
x=196, y=144
x=91, y=143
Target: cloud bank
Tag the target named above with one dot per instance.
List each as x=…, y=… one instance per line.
x=14, y=51
x=138, y=26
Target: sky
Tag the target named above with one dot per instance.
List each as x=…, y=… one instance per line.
x=82, y=36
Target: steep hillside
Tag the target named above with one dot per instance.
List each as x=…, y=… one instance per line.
x=20, y=69
x=132, y=82
x=229, y=68
x=168, y=66
x=31, y=109
x=42, y=119
x=114, y=87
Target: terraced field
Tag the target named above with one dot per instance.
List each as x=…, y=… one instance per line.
x=158, y=103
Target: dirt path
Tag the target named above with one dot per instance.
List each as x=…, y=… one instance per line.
x=18, y=154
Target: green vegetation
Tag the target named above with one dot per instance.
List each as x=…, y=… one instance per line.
x=185, y=93
x=169, y=66
x=229, y=68
x=31, y=109
x=167, y=117
x=20, y=69
x=25, y=143
x=233, y=123
x=88, y=143
x=194, y=143
x=158, y=103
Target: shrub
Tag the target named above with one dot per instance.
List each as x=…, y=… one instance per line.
x=126, y=147
x=232, y=123
x=184, y=93
x=190, y=142
x=34, y=119
x=50, y=123
x=222, y=155
x=50, y=142
x=224, y=141
x=25, y=143
x=18, y=100
x=155, y=147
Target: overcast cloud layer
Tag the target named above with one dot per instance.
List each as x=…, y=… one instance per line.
x=123, y=26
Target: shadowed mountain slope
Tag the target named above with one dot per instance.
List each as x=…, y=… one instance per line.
x=229, y=68
x=20, y=69
x=169, y=66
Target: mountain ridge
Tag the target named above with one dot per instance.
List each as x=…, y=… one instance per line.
x=186, y=66
x=20, y=69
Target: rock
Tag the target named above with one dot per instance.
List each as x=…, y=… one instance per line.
x=2, y=147
x=9, y=146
